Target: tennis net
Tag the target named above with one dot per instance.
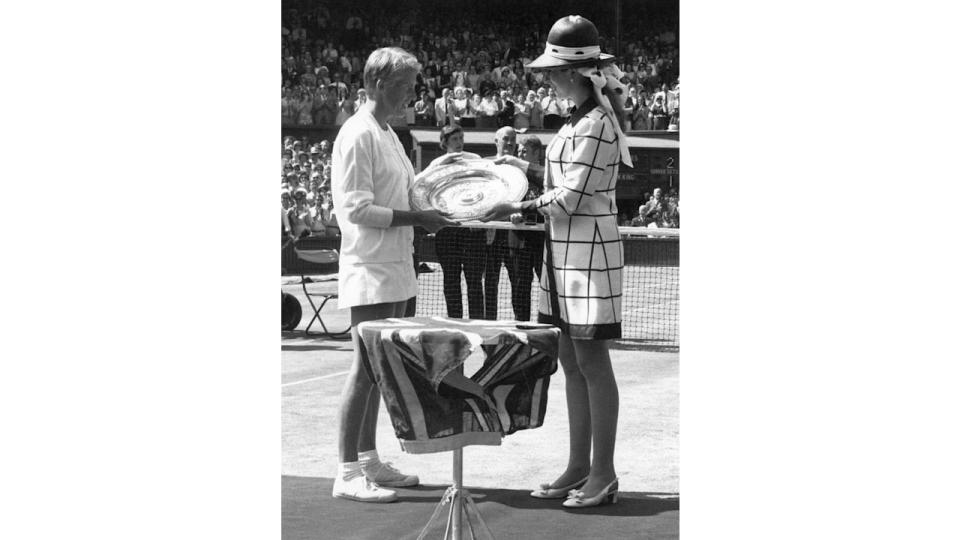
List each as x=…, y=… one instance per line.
x=651, y=276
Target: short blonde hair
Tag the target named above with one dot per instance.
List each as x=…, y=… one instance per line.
x=388, y=64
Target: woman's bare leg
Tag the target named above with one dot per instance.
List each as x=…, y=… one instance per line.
x=578, y=416
x=360, y=399
x=594, y=360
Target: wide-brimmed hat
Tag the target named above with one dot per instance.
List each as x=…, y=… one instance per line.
x=572, y=41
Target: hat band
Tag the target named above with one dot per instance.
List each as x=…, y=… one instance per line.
x=572, y=53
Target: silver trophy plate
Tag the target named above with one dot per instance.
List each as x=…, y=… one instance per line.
x=466, y=189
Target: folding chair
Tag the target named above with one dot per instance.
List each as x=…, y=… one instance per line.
x=318, y=256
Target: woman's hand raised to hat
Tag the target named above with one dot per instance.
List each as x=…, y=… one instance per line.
x=500, y=211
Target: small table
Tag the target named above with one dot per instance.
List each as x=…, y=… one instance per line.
x=417, y=364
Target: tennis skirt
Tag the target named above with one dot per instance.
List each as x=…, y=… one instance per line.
x=362, y=284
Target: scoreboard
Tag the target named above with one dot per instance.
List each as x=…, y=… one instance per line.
x=652, y=168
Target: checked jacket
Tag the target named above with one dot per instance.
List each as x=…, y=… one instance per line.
x=584, y=253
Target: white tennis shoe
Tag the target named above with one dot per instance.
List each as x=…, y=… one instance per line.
x=360, y=488
x=385, y=475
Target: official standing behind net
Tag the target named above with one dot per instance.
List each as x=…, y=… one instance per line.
x=458, y=249
x=582, y=277
x=370, y=182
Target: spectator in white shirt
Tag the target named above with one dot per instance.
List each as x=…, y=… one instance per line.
x=423, y=110
x=337, y=87
x=469, y=116
x=459, y=104
x=459, y=76
x=443, y=108
x=521, y=120
x=488, y=111
x=552, y=110
x=536, y=111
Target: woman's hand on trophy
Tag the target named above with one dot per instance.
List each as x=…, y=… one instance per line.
x=500, y=211
x=512, y=160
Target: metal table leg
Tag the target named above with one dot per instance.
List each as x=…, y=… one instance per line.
x=461, y=506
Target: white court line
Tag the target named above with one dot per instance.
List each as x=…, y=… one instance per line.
x=314, y=379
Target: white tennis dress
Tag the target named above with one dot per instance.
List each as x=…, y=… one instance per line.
x=371, y=177
x=580, y=204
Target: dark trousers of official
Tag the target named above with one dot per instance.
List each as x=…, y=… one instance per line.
x=519, y=261
x=520, y=270
x=461, y=250
x=494, y=256
x=534, y=243
x=524, y=259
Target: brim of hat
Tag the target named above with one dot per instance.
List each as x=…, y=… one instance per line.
x=545, y=61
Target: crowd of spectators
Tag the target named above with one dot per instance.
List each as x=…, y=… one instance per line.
x=306, y=202
x=472, y=56
x=657, y=212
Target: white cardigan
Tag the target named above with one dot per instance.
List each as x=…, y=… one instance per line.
x=371, y=177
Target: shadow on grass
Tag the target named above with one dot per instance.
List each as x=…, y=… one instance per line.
x=309, y=512
x=631, y=504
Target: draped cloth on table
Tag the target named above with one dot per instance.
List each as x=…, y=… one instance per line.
x=411, y=359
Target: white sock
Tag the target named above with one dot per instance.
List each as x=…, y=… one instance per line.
x=368, y=458
x=349, y=470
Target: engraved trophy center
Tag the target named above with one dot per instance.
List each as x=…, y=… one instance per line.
x=471, y=197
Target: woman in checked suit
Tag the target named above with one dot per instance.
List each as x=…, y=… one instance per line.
x=582, y=275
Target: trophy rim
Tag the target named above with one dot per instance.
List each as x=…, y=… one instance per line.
x=444, y=176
